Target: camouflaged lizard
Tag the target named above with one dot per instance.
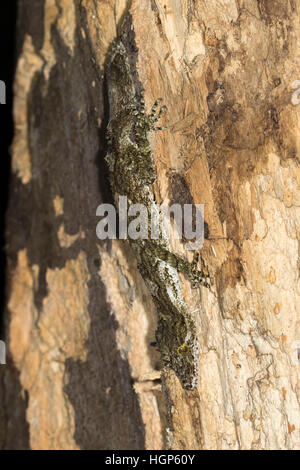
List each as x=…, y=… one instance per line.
x=132, y=172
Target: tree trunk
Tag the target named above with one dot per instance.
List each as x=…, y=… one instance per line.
x=81, y=372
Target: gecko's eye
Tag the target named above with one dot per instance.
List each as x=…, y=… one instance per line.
x=183, y=350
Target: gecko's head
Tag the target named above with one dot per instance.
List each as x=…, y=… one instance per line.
x=179, y=348
x=185, y=364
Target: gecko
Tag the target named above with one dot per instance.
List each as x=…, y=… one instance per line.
x=132, y=173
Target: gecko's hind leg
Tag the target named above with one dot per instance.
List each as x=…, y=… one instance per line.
x=154, y=109
x=195, y=275
x=198, y=276
x=161, y=111
x=155, y=118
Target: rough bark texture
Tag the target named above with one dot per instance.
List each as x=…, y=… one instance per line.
x=81, y=371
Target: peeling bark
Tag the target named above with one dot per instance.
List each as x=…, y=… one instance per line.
x=80, y=322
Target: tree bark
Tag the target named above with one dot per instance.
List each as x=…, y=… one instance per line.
x=81, y=371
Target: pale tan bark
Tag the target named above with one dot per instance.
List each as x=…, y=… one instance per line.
x=80, y=319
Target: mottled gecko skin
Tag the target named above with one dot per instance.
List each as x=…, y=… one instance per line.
x=132, y=172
